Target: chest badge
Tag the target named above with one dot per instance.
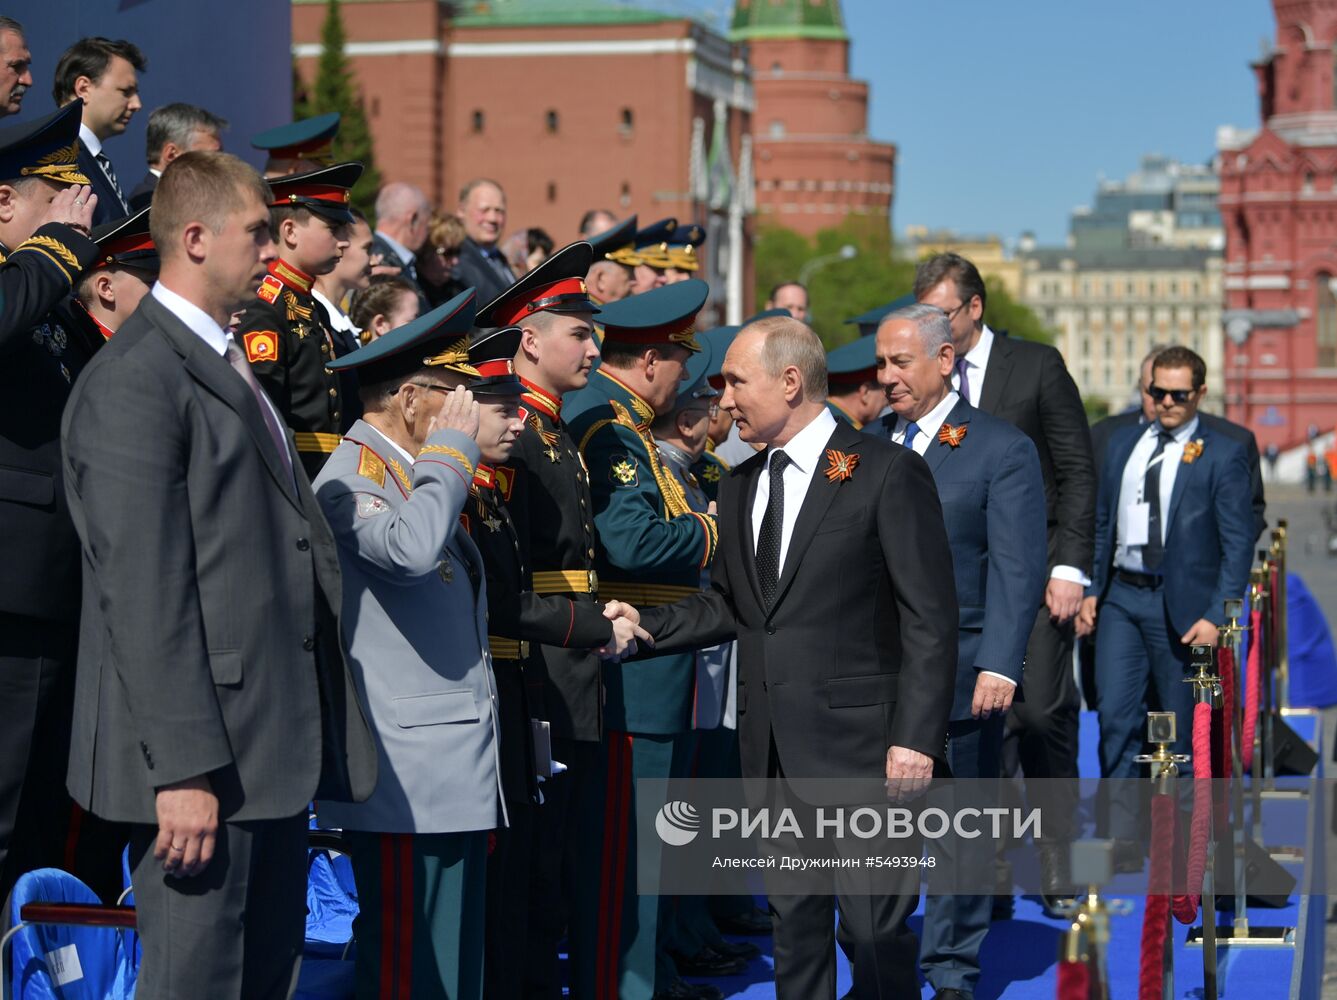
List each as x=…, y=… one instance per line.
x=839, y=466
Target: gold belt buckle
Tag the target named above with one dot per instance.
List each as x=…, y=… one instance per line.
x=524, y=649
x=594, y=582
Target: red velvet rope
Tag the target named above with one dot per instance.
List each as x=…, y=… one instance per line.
x=1253, y=686
x=1074, y=981
x=1156, y=916
x=1186, y=905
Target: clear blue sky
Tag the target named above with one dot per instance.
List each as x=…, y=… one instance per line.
x=1005, y=113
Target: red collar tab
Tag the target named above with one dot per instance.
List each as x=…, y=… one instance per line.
x=541, y=400
x=540, y=298
x=484, y=475
x=289, y=275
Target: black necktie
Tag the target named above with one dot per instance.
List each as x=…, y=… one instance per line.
x=772, y=531
x=1154, y=551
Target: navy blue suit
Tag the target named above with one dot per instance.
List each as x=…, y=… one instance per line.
x=109, y=206
x=993, y=503
x=1209, y=536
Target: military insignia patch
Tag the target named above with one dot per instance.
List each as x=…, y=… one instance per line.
x=370, y=466
x=839, y=466
x=711, y=473
x=505, y=477
x=369, y=505
x=270, y=288
x=623, y=471
x=261, y=345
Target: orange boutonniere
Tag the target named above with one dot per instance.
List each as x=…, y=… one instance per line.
x=953, y=436
x=1192, y=450
x=839, y=466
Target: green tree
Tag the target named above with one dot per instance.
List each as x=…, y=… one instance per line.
x=335, y=90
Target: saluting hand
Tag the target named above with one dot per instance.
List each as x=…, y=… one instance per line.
x=460, y=413
x=73, y=207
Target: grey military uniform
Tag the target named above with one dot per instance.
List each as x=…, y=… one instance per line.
x=415, y=626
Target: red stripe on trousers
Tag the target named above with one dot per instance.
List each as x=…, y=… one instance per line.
x=406, y=896
x=389, y=891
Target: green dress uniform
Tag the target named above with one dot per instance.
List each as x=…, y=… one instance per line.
x=546, y=491
x=652, y=549
x=285, y=334
x=709, y=469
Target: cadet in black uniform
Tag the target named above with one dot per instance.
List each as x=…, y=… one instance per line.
x=284, y=332
x=125, y=270
x=44, y=247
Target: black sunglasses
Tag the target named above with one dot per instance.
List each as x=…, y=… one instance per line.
x=1178, y=396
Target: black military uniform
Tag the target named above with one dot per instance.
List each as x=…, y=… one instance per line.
x=516, y=617
x=40, y=357
x=124, y=245
x=285, y=333
x=547, y=491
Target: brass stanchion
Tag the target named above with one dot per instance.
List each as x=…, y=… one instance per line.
x=1164, y=774
x=1086, y=941
x=1206, y=691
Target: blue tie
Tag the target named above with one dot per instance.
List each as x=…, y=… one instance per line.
x=911, y=430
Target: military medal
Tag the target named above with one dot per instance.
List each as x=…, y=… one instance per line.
x=493, y=524
x=839, y=465
x=950, y=435
x=551, y=452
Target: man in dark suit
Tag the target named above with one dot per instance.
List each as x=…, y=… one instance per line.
x=865, y=699
x=992, y=491
x=174, y=129
x=1027, y=385
x=209, y=647
x=1174, y=541
x=44, y=247
x=482, y=209
x=101, y=72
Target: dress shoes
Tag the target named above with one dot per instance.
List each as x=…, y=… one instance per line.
x=708, y=962
x=680, y=989
x=744, y=950
x=752, y=923
x=1128, y=857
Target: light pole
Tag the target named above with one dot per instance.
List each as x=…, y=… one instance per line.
x=848, y=252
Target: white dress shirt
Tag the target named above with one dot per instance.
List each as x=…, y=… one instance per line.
x=977, y=360
x=805, y=450
x=1129, y=557
x=929, y=424
x=89, y=139
x=338, y=318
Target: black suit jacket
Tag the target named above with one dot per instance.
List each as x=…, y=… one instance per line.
x=109, y=207
x=858, y=652
x=208, y=643
x=1027, y=384
x=474, y=270
x=142, y=195
x=1103, y=430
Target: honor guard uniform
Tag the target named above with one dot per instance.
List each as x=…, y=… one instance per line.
x=415, y=629
x=546, y=490
x=299, y=147
x=40, y=587
x=652, y=549
x=284, y=332
x=123, y=245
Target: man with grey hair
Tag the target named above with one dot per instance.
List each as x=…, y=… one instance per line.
x=991, y=486
x=403, y=215
x=175, y=129
x=482, y=209
x=15, y=66
x=869, y=700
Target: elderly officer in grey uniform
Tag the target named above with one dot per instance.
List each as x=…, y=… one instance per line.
x=415, y=620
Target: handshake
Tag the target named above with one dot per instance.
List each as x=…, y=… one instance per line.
x=626, y=631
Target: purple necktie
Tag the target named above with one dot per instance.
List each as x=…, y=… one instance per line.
x=965, y=382
x=243, y=368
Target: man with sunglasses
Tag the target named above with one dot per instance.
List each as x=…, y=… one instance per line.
x=1174, y=541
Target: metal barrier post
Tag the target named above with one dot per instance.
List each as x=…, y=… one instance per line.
x=1164, y=772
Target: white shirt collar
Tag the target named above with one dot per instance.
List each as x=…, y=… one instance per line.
x=931, y=421
x=155, y=171
x=1180, y=434
x=338, y=318
x=978, y=356
x=90, y=140
x=400, y=250
x=199, y=321
x=805, y=448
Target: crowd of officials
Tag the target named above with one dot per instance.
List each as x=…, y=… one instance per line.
x=457, y=536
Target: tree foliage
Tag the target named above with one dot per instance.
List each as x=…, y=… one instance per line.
x=840, y=289
x=335, y=89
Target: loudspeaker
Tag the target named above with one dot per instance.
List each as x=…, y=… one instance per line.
x=1259, y=868
x=1290, y=753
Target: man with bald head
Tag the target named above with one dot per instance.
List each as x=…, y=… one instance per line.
x=869, y=700
x=482, y=209
x=402, y=217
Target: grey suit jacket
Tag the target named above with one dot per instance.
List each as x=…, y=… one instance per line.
x=207, y=643
x=415, y=623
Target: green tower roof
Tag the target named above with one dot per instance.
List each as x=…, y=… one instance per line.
x=787, y=19
x=480, y=13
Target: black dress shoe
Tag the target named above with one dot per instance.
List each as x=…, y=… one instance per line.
x=1054, y=877
x=707, y=962
x=753, y=922
x=951, y=995
x=680, y=989
x=744, y=950
x=1003, y=903
x=1128, y=857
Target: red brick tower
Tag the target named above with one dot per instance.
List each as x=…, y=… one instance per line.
x=815, y=164
x=1279, y=208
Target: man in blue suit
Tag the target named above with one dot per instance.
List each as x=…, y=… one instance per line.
x=992, y=491
x=1174, y=541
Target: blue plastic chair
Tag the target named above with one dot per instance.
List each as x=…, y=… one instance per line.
x=65, y=961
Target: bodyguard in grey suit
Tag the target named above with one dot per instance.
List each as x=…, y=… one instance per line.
x=212, y=702
x=992, y=491
x=415, y=623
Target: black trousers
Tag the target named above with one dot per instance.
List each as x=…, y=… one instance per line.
x=1040, y=740
x=234, y=930
x=509, y=873
x=40, y=826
